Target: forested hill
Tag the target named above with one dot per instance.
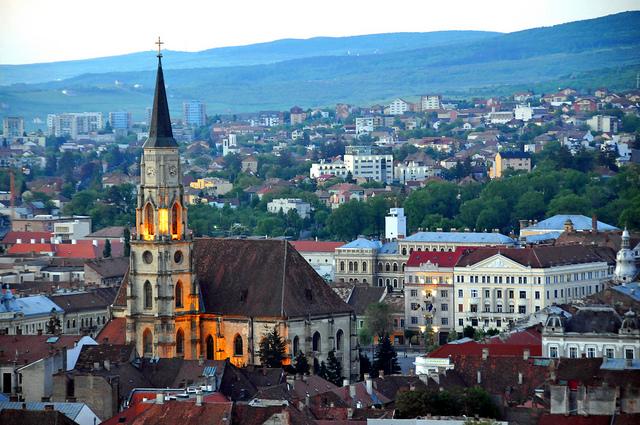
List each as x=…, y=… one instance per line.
x=584, y=54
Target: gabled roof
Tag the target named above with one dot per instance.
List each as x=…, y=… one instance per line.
x=99, y=298
x=316, y=246
x=109, y=267
x=13, y=236
x=440, y=259
x=260, y=278
x=26, y=349
x=362, y=296
x=108, y=232
x=114, y=332
x=160, y=133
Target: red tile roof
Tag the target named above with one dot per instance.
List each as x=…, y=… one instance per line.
x=316, y=246
x=442, y=259
x=475, y=349
x=26, y=349
x=174, y=412
x=542, y=256
x=530, y=336
x=81, y=249
x=114, y=332
x=13, y=236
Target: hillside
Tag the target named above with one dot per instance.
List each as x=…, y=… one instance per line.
x=591, y=53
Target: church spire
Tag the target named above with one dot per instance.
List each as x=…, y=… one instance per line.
x=160, y=133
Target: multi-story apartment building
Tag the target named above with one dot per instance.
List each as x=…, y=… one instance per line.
x=364, y=162
x=496, y=286
x=509, y=160
x=74, y=124
x=12, y=127
x=364, y=125
x=194, y=113
x=603, y=123
x=399, y=107
x=297, y=115
x=431, y=102
x=120, y=120
x=284, y=205
x=334, y=168
x=428, y=291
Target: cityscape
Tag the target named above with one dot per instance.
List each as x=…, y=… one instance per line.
x=406, y=251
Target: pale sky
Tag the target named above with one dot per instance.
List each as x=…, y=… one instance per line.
x=52, y=30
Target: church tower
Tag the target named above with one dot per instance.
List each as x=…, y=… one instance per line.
x=625, y=269
x=162, y=296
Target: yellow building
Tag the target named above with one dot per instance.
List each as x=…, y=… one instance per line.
x=509, y=159
x=213, y=185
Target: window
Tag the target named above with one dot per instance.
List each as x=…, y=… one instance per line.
x=591, y=352
x=180, y=342
x=474, y=322
x=474, y=308
x=148, y=295
x=149, y=227
x=460, y=308
x=387, y=267
x=364, y=267
x=609, y=353
x=553, y=352
x=316, y=342
x=237, y=346
x=522, y=309
x=573, y=352
x=444, y=294
x=511, y=293
x=414, y=320
x=537, y=295
x=474, y=293
x=487, y=293
x=444, y=307
x=395, y=267
x=499, y=307
x=511, y=308
x=341, y=266
x=444, y=321
x=487, y=308
x=414, y=292
x=209, y=348
x=499, y=293
x=523, y=295
x=460, y=293
x=339, y=339
x=175, y=221
x=179, y=294
x=460, y=322
x=498, y=323
x=147, y=343
x=628, y=353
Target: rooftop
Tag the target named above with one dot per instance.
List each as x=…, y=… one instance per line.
x=580, y=223
x=362, y=243
x=440, y=259
x=316, y=246
x=461, y=238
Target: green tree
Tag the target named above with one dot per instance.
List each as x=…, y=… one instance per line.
x=385, y=358
x=272, y=349
x=334, y=369
x=126, y=235
x=53, y=326
x=429, y=336
x=106, y=252
x=365, y=364
x=301, y=364
x=453, y=336
x=569, y=203
x=378, y=319
x=468, y=331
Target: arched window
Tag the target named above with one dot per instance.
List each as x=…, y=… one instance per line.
x=387, y=267
x=179, y=294
x=148, y=295
x=395, y=267
x=341, y=266
x=355, y=266
x=403, y=266
x=350, y=266
x=404, y=251
x=379, y=267
x=339, y=338
x=395, y=283
x=149, y=228
x=176, y=217
x=364, y=267
x=180, y=342
x=147, y=343
x=209, y=347
x=316, y=343
x=364, y=280
x=380, y=282
x=296, y=345
x=237, y=346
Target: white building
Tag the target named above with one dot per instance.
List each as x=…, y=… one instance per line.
x=395, y=224
x=431, y=102
x=414, y=171
x=323, y=168
x=593, y=331
x=603, y=123
x=364, y=125
x=27, y=315
x=74, y=124
x=501, y=117
x=194, y=113
x=363, y=162
x=12, y=127
x=71, y=230
x=496, y=286
x=229, y=144
x=398, y=107
x=523, y=112
x=626, y=269
x=288, y=204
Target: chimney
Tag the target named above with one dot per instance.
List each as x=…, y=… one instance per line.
x=352, y=391
x=412, y=387
x=594, y=223
x=381, y=373
x=18, y=240
x=198, y=398
x=519, y=378
x=74, y=242
x=96, y=366
x=159, y=398
x=479, y=377
x=291, y=379
x=369, y=383
x=107, y=364
x=345, y=382
x=485, y=353
x=525, y=354
x=95, y=242
x=307, y=400
x=349, y=413
x=41, y=240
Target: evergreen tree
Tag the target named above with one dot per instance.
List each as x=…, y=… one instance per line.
x=365, y=365
x=106, y=252
x=334, y=369
x=385, y=358
x=127, y=241
x=453, y=336
x=272, y=349
x=301, y=364
x=323, y=372
x=54, y=326
x=316, y=366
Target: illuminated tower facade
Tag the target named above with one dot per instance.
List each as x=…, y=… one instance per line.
x=162, y=296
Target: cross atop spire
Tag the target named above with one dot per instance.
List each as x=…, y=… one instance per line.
x=159, y=43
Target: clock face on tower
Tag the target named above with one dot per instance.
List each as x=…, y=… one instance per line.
x=151, y=171
x=173, y=170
